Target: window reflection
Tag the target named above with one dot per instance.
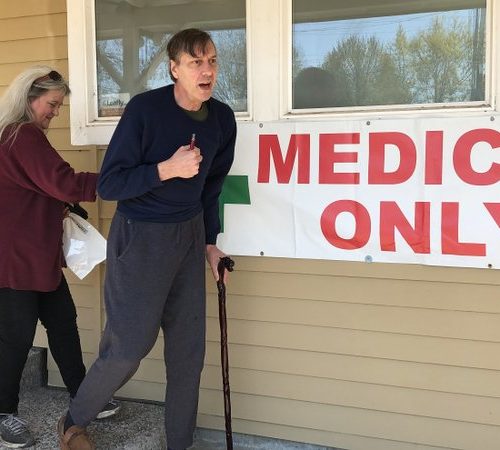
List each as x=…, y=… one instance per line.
x=371, y=54
x=132, y=36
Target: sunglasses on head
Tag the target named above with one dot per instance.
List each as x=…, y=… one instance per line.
x=52, y=75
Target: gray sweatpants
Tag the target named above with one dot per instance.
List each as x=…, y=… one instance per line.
x=155, y=277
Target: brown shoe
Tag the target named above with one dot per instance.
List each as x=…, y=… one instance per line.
x=75, y=438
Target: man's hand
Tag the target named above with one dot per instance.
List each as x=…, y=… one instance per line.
x=214, y=255
x=184, y=163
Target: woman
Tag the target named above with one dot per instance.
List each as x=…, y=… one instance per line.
x=35, y=183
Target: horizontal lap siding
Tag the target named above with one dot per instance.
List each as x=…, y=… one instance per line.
x=325, y=342
x=321, y=437
x=36, y=50
x=357, y=362
x=357, y=356
x=35, y=32
x=27, y=8
x=373, y=424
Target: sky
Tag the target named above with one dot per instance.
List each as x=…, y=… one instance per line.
x=315, y=40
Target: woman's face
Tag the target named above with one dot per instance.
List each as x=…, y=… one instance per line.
x=46, y=107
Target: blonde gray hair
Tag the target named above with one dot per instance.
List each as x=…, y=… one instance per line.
x=15, y=103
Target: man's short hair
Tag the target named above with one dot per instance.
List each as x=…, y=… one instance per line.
x=191, y=41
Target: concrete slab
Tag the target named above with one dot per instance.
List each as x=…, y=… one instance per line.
x=35, y=369
x=138, y=426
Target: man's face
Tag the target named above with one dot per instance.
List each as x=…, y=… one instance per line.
x=195, y=77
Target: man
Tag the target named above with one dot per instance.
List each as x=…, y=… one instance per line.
x=165, y=165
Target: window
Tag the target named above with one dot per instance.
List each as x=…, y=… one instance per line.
x=379, y=52
x=284, y=59
x=131, y=40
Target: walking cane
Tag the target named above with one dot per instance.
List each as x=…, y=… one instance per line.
x=225, y=263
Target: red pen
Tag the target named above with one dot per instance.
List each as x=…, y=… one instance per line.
x=191, y=144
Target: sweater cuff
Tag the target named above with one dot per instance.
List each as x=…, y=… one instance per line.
x=211, y=238
x=153, y=176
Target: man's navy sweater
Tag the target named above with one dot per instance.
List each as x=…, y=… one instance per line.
x=151, y=130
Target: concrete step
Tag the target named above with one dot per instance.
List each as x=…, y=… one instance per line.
x=138, y=426
x=216, y=440
x=35, y=369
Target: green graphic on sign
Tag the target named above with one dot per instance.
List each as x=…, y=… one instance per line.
x=234, y=191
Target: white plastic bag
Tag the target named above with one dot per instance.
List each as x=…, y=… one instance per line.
x=83, y=246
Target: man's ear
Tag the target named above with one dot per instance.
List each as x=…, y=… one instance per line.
x=173, y=68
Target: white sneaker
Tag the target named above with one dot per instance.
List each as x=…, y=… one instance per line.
x=110, y=409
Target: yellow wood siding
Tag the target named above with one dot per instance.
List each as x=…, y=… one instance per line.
x=351, y=355
x=27, y=8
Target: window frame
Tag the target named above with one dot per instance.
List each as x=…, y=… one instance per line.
x=269, y=74
x=411, y=110
x=87, y=128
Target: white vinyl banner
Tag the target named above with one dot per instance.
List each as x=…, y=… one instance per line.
x=411, y=190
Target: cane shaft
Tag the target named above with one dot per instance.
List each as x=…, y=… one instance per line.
x=225, y=372
x=225, y=263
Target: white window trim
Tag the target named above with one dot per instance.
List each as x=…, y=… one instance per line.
x=86, y=127
x=492, y=84
x=269, y=50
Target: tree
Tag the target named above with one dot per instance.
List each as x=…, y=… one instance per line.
x=364, y=72
x=231, y=86
x=297, y=61
x=390, y=86
x=400, y=57
x=441, y=60
x=442, y=63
